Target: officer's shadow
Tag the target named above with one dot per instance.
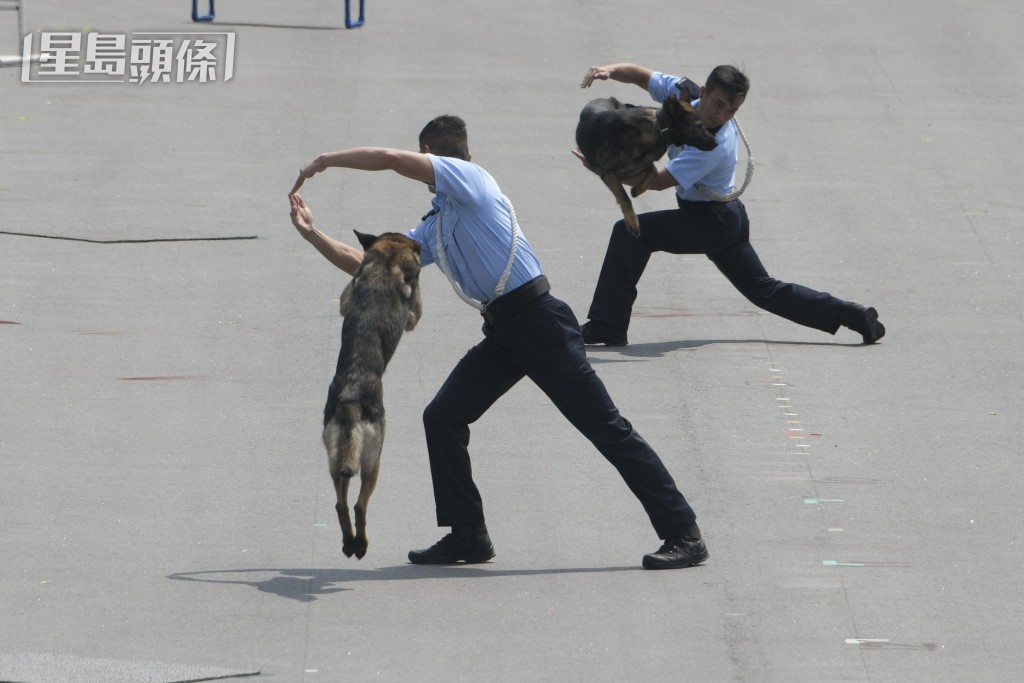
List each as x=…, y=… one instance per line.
x=621, y=354
x=306, y=585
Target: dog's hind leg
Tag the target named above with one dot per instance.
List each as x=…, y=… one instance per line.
x=341, y=439
x=611, y=180
x=348, y=541
x=369, y=482
x=372, y=441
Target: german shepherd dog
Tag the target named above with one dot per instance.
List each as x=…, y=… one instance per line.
x=381, y=301
x=622, y=141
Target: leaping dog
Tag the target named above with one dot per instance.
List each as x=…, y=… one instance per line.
x=622, y=141
x=381, y=301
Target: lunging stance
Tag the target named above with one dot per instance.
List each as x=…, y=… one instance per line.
x=700, y=224
x=471, y=234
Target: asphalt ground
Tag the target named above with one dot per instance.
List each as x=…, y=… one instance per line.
x=165, y=510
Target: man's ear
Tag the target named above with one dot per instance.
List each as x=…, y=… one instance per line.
x=365, y=240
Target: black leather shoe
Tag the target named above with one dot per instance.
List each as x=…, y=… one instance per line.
x=595, y=332
x=862, y=320
x=684, y=550
x=469, y=544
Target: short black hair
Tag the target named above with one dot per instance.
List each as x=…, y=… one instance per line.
x=729, y=80
x=446, y=136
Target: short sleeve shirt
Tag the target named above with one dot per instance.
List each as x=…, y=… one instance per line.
x=476, y=230
x=688, y=165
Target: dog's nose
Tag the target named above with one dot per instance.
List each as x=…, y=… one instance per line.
x=347, y=472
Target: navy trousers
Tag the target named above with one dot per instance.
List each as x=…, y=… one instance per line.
x=541, y=341
x=722, y=231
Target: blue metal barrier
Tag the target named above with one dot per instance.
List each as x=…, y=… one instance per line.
x=348, y=13
x=348, y=22
x=204, y=17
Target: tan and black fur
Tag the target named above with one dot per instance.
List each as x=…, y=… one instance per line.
x=622, y=141
x=379, y=304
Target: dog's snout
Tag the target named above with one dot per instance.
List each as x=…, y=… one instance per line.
x=347, y=473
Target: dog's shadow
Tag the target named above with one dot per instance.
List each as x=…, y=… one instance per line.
x=661, y=349
x=306, y=585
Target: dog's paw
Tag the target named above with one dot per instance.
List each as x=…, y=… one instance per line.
x=349, y=548
x=633, y=225
x=360, y=551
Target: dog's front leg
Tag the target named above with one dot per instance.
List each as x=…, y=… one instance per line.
x=346, y=298
x=611, y=180
x=645, y=182
x=415, y=307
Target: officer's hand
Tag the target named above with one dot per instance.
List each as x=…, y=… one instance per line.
x=595, y=73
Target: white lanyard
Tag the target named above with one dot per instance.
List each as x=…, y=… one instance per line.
x=714, y=196
x=442, y=260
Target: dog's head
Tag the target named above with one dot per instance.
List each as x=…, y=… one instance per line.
x=394, y=253
x=685, y=127
x=391, y=260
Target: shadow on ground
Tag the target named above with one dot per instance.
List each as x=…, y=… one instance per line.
x=306, y=585
x=660, y=349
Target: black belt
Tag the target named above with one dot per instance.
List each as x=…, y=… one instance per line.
x=507, y=304
x=683, y=203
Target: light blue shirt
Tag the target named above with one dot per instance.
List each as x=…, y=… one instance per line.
x=477, y=230
x=688, y=165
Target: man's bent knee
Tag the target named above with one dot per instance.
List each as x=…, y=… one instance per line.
x=433, y=414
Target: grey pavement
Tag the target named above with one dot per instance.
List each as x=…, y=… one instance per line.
x=165, y=508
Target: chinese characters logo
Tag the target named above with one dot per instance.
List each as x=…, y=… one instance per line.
x=129, y=58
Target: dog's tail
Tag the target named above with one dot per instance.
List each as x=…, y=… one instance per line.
x=343, y=437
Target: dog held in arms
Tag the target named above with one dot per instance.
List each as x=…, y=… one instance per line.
x=381, y=301
x=622, y=141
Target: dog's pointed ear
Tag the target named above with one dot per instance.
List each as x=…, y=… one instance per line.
x=365, y=239
x=417, y=247
x=673, y=105
x=683, y=106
